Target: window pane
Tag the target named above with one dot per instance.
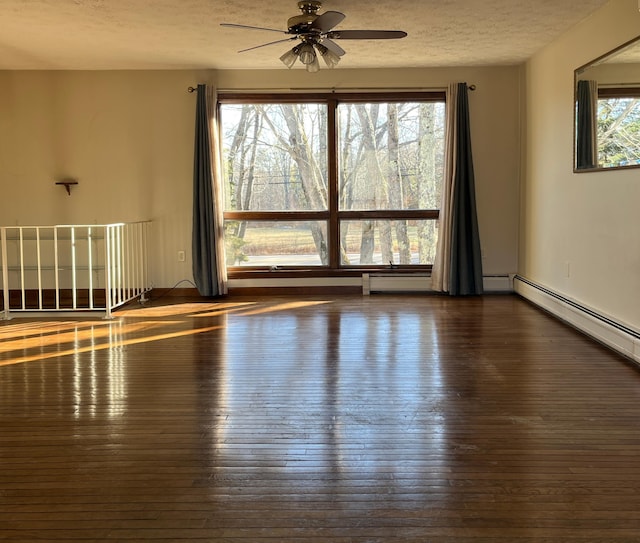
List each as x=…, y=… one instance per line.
x=274, y=156
x=381, y=242
x=276, y=243
x=618, y=132
x=390, y=155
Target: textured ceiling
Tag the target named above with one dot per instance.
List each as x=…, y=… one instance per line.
x=181, y=34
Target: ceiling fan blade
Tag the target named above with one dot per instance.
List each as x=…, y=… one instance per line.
x=333, y=47
x=366, y=34
x=327, y=21
x=233, y=25
x=265, y=44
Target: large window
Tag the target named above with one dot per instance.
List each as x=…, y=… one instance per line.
x=333, y=182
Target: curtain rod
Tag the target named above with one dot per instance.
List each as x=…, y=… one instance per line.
x=345, y=89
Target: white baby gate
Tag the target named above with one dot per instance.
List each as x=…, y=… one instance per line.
x=73, y=267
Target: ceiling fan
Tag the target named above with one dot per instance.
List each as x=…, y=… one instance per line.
x=316, y=35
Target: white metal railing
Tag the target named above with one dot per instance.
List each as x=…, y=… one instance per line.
x=73, y=267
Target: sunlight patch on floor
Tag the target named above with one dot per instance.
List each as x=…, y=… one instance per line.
x=28, y=342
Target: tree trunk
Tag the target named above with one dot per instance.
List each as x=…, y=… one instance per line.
x=311, y=175
x=396, y=192
x=246, y=204
x=427, y=182
x=368, y=120
x=237, y=143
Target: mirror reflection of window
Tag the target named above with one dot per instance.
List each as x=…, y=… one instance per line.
x=618, y=128
x=607, y=111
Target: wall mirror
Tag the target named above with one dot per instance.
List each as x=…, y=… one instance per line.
x=607, y=111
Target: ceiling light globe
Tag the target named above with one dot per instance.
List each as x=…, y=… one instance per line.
x=290, y=57
x=329, y=56
x=314, y=66
x=307, y=54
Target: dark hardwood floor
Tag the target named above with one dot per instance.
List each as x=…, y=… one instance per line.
x=339, y=419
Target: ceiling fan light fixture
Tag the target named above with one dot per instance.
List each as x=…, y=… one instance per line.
x=314, y=66
x=307, y=54
x=290, y=57
x=330, y=58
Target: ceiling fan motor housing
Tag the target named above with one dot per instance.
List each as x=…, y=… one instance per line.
x=301, y=23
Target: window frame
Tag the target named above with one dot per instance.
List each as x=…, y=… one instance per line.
x=618, y=92
x=333, y=215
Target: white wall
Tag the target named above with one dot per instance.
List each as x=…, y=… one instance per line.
x=128, y=139
x=580, y=233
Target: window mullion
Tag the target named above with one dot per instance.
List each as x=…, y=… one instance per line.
x=391, y=214
x=275, y=215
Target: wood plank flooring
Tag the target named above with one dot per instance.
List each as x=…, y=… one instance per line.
x=340, y=419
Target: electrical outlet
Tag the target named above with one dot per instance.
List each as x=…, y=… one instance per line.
x=181, y=256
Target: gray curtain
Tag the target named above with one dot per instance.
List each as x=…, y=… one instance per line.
x=458, y=265
x=208, y=264
x=466, y=259
x=586, y=124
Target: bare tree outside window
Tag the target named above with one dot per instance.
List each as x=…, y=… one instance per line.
x=618, y=132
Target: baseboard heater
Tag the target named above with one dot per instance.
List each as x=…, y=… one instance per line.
x=369, y=283
x=604, y=329
x=389, y=282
